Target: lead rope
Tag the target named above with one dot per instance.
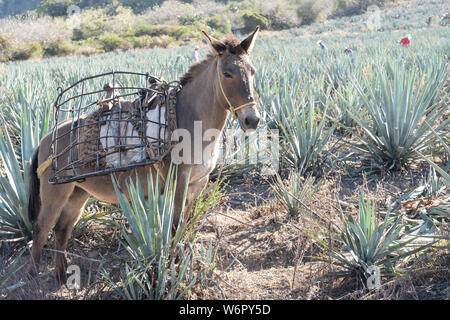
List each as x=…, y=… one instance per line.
x=232, y=109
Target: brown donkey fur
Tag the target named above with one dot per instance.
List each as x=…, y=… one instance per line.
x=202, y=98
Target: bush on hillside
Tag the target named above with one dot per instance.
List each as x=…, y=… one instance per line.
x=9, y=52
x=59, y=47
x=189, y=19
x=177, y=32
x=146, y=30
x=5, y=48
x=254, y=19
x=308, y=11
x=111, y=42
x=55, y=8
x=281, y=14
x=140, y=42
x=344, y=8
x=162, y=42
x=27, y=51
x=95, y=3
x=219, y=24
x=88, y=30
x=180, y=32
x=139, y=6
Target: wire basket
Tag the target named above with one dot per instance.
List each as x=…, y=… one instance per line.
x=121, y=126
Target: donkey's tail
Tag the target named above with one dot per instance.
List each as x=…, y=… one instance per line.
x=34, y=200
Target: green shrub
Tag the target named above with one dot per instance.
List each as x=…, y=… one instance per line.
x=254, y=19
x=111, y=42
x=140, y=42
x=4, y=43
x=340, y=5
x=189, y=19
x=95, y=3
x=88, y=30
x=152, y=30
x=140, y=5
x=5, y=48
x=89, y=49
x=219, y=24
x=179, y=32
x=281, y=14
x=176, y=32
x=162, y=41
x=308, y=12
x=145, y=30
x=54, y=8
x=27, y=51
x=59, y=47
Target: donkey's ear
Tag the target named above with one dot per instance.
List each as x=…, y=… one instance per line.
x=217, y=46
x=248, y=43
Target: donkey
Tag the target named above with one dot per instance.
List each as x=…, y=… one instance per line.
x=213, y=88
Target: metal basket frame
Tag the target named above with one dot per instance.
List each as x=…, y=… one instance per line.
x=70, y=172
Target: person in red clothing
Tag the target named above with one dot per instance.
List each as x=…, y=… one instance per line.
x=406, y=41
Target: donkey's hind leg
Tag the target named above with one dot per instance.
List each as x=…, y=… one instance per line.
x=64, y=227
x=53, y=198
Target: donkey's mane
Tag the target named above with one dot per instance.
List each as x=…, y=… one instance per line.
x=233, y=46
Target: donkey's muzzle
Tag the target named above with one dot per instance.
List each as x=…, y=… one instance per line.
x=251, y=122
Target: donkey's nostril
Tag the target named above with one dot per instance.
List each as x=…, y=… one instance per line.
x=251, y=122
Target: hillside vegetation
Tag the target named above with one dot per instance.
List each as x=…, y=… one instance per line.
x=88, y=27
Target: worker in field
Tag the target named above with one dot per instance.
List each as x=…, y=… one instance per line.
x=406, y=41
x=322, y=45
x=195, y=55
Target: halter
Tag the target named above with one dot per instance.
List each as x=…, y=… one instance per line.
x=230, y=106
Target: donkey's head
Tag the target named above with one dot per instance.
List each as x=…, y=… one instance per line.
x=235, y=78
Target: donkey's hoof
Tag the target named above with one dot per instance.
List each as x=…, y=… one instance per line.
x=32, y=270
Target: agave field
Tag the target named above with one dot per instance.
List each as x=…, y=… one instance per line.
x=362, y=182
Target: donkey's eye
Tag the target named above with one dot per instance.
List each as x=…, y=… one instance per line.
x=227, y=75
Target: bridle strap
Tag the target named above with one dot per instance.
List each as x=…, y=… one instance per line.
x=230, y=106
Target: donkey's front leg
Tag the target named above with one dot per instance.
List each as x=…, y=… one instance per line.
x=194, y=189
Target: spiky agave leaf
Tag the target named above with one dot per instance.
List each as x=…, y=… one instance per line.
x=159, y=270
x=295, y=195
x=365, y=242
x=401, y=106
x=304, y=132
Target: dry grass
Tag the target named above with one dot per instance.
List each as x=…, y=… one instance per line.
x=265, y=255
x=263, y=252
x=34, y=29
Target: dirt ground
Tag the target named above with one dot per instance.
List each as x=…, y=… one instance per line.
x=262, y=251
